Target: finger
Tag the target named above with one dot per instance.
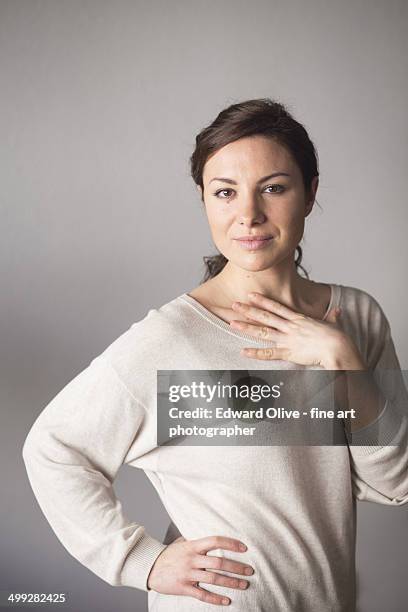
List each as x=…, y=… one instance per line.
x=333, y=315
x=203, y=545
x=264, y=316
x=206, y=596
x=223, y=564
x=221, y=579
x=270, y=353
x=273, y=306
x=258, y=331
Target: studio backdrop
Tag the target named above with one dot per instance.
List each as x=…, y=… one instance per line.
x=101, y=220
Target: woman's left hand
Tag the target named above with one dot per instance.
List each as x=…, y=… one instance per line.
x=296, y=337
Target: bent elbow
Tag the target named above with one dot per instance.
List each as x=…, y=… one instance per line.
x=31, y=448
x=27, y=450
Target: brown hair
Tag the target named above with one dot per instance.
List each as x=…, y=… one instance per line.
x=261, y=116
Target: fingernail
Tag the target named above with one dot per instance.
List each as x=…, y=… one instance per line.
x=242, y=547
x=225, y=601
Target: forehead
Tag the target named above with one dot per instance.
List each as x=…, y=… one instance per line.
x=252, y=156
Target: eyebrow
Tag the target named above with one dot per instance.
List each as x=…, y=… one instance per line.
x=261, y=180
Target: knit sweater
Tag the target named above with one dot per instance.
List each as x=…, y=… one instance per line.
x=293, y=506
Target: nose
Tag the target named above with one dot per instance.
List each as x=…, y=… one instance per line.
x=250, y=210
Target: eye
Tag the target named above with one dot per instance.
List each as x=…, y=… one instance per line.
x=223, y=191
x=281, y=188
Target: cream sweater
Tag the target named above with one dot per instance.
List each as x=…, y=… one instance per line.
x=293, y=506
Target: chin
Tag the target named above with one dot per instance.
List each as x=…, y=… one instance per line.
x=254, y=266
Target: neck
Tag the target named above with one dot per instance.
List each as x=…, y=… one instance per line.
x=281, y=283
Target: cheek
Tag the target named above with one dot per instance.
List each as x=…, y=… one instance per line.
x=293, y=228
x=219, y=219
x=293, y=220
x=289, y=214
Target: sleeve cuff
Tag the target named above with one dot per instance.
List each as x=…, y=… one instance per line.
x=377, y=434
x=139, y=562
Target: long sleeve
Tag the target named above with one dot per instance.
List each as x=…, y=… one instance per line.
x=72, y=455
x=380, y=472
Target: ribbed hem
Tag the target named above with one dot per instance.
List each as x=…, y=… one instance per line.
x=139, y=562
x=378, y=434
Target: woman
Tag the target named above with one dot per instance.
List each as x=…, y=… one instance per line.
x=261, y=528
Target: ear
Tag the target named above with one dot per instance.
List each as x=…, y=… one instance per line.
x=311, y=195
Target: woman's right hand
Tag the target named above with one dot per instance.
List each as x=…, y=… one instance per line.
x=184, y=563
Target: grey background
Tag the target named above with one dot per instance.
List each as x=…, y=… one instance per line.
x=100, y=104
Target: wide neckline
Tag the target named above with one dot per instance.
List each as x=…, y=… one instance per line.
x=221, y=324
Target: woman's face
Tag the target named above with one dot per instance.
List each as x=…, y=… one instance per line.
x=242, y=198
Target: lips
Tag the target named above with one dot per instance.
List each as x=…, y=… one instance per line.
x=254, y=243
x=254, y=237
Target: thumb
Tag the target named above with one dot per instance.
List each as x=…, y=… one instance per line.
x=333, y=315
